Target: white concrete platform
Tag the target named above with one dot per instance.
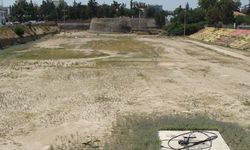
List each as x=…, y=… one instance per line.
x=217, y=144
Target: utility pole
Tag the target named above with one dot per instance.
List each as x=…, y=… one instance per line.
x=185, y=21
x=64, y=12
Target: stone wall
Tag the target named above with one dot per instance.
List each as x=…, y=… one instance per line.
x=142, y=23
x=73, y=26
x=8, y=36
x=120, y=25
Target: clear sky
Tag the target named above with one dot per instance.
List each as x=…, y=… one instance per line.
x=167, y=4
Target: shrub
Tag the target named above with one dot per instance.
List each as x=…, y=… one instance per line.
x=160, y=19
x=176, y=29
x=19, y=30
x=242, y=20
x=141, y=132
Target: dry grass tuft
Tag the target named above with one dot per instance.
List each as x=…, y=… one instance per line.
x=57, y=54
x=123, y=44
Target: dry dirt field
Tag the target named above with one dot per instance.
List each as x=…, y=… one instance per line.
x=75, y=85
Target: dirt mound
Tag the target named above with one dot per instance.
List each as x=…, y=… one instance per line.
x=235, y=38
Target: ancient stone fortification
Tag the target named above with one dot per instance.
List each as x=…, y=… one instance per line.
x=8, y=37
x=73, y=26
x=122, y=25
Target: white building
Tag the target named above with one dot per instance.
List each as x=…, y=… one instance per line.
x=3, y=13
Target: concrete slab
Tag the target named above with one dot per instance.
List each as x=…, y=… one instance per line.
x=169, y=140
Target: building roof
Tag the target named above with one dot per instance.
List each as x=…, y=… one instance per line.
x=236, y=13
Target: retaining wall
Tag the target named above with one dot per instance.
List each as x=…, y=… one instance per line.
x=8, y=36
x=121, y=25
x=74, y=26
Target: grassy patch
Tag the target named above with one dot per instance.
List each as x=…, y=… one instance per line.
x=56, y=54
x=247, y=103
x=43, y=54
x=140, y=132
x=105, y=98
x=121, y=45
x=142, y=76
x=75, y=142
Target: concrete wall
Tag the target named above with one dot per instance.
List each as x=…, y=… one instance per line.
x=2, y=16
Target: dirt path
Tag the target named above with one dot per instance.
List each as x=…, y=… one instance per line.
x=44, y=103
x=221, y=50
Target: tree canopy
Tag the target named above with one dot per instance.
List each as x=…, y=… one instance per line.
x=24, y=11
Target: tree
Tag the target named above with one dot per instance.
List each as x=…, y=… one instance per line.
x=92, y=8
x=226, y=11
x=160, y=18
x=60, y=11
x=187, y=6
x=122, y=11
x=236, y=5
x=131, y=4
x=248, y=9
x=73, y=11
x=150, y=11
x=48, y=11
x=106, y=11
x=19, y=11
x=196, y=15
x=32, y=11
x=23, y=11
x=212, y=15
x=218, y=10
x=206, y=4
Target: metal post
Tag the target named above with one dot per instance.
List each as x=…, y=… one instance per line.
x=185, y=21
x=140, y=19
x=64, y=11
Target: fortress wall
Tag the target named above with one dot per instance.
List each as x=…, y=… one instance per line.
x=120, y=25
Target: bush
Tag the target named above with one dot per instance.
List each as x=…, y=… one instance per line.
x=160, y=19
x=176, y=29
x=242, y=20
x=19, y=30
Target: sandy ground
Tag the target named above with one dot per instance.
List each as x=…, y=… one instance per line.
x=42, y=102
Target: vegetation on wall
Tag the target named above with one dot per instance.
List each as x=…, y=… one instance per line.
x=19, y=30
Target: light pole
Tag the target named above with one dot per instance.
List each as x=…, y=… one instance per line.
x=185, y=20
x=64, y=19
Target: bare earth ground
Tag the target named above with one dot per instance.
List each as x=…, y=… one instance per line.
x=44, y=102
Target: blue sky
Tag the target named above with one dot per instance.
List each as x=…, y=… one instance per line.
x=167, y=4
